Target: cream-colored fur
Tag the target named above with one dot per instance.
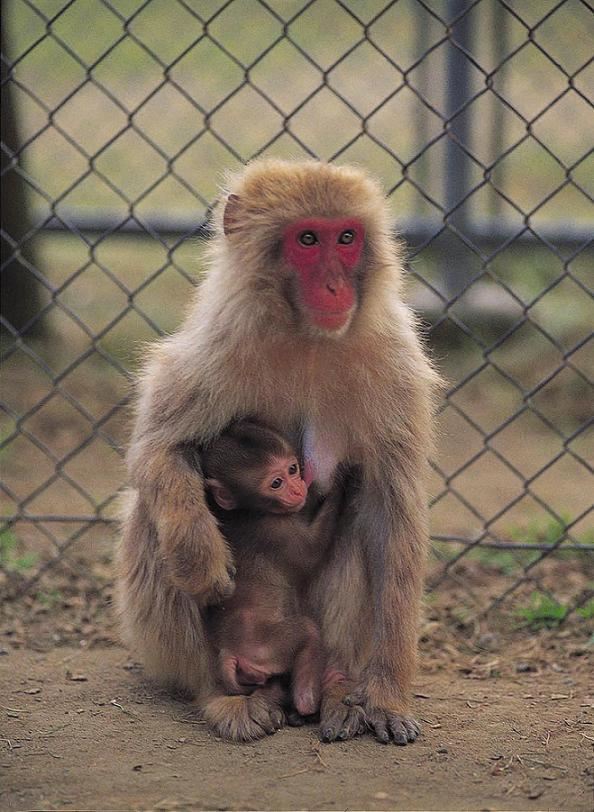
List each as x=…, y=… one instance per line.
x=245, y=349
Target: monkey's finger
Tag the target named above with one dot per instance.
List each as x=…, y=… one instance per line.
x=269, y=717
x=222, y=590
x=340, y=722
x=398, y=730
x=277, y=717
x=413, y=729
x=379, y=724
x=353, y=725
x=354, y=698
x=269, y=724
x=328, y=733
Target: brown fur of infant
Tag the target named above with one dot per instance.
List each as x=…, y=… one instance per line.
x=263, y=635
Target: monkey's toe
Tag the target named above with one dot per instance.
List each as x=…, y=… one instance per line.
x=342, y=723
x=392, y=727
x=295, y=719
x=264, y=713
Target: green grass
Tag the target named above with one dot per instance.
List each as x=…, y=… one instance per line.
x=10, y=558
x=587, y=610
x=49, y=598
x=548, y=532
x=511, y=561
x=545, y=612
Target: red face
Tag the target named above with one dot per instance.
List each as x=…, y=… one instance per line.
x=283, y=483
x=325, y=254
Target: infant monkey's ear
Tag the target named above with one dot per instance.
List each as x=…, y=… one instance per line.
x=221, y=494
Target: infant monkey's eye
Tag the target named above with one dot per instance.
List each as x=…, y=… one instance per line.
x=276, y=483
x=294, y=469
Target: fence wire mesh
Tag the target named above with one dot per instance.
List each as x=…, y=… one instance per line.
x=118, y=120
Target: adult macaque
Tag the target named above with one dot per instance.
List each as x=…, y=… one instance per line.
x=262, y=631
x=299, y=322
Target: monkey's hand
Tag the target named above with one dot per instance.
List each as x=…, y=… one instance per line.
x=382, y=714
x=198, y=559
x=245, y=718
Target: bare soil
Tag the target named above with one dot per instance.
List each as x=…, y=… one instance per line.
x=82, y=729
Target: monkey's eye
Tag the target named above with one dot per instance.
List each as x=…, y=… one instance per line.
x=347, y=237
x=276, y=483
x=294, y=469
x=308, y=238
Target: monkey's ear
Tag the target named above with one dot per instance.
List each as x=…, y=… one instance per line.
x=232, y=214
x=221, y=494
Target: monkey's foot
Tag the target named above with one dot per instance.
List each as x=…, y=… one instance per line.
x=387, y=725
x=294, y=718
x=339, y=722
x=243, y=718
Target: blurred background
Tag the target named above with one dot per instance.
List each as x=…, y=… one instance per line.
x=119, y=119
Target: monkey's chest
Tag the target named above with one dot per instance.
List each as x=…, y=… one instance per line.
x=322, y=453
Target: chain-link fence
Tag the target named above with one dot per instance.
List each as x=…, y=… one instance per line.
x=119, y=118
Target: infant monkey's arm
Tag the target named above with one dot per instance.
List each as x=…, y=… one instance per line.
x=306, y=542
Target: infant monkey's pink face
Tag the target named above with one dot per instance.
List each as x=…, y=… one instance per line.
x=284, y=484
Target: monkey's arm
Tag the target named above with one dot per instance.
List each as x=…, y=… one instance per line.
x=197, y=557
x=322, y=526
x=308, y=542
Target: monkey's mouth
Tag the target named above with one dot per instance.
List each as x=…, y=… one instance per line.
x=290, y=508
x=331, y=319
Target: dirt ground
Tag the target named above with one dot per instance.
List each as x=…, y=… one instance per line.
x=82, y=730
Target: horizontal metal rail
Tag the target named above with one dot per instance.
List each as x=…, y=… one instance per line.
x=501, y=544
x=415, y=230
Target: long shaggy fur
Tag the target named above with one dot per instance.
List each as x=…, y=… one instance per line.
x=244, y=350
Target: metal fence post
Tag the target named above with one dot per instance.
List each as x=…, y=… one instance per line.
x=457, y=163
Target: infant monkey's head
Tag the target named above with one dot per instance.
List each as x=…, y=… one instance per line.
x=252, y=467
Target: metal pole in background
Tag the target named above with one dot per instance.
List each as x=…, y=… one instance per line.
x=500, y=47
x=19, y=290
x=457, y=164
x=423, y=173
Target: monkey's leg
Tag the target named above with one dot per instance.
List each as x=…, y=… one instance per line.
x=246, y=718
x=308, y=668
x=392, y=526
x=376, y=673
x=340, y=601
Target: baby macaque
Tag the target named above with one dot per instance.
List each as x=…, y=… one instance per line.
x=263, y=632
